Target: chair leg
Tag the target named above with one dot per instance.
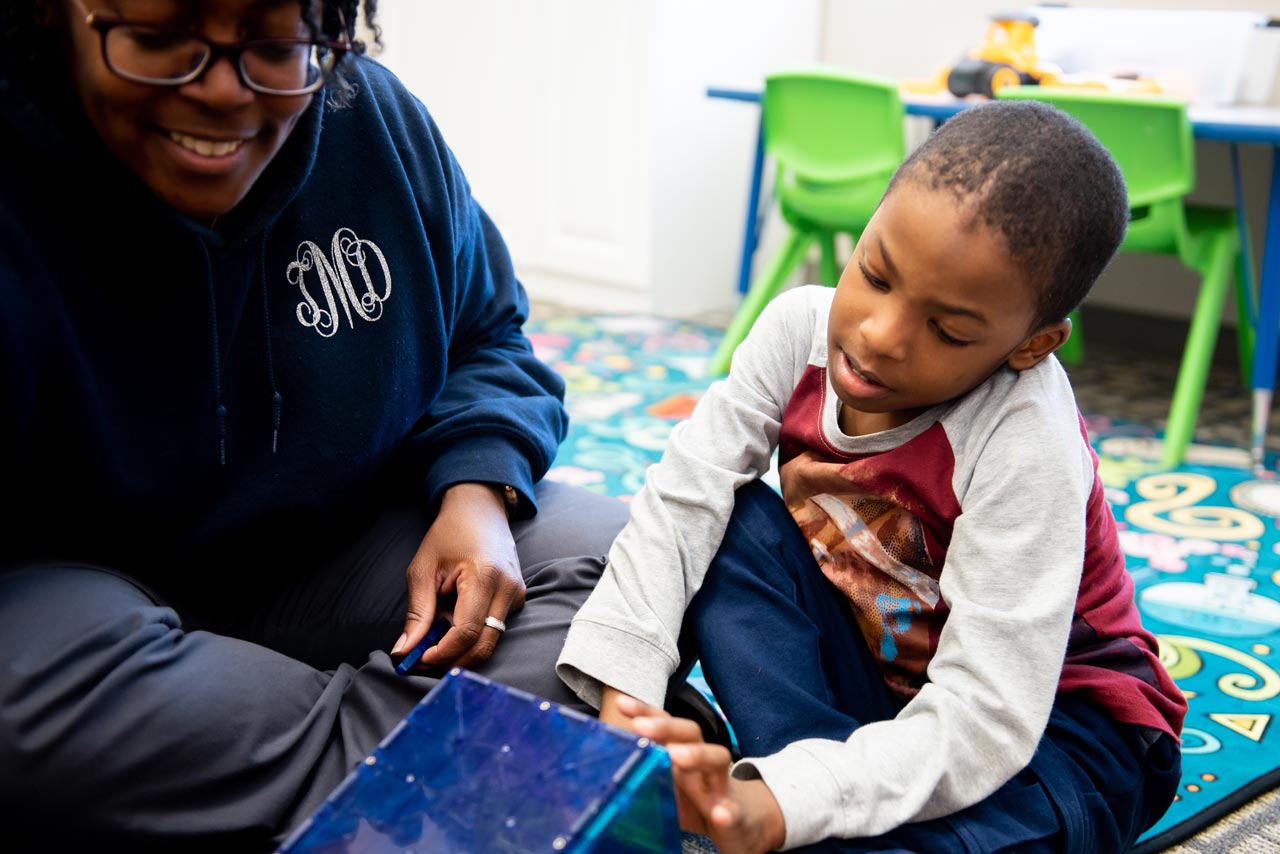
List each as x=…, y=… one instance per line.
x=1246, y=317
x=1072, y=351
x=765, y=288
x=830, y=269
x=1198, y=353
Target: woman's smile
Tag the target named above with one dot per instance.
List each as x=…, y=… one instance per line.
x=206, y=155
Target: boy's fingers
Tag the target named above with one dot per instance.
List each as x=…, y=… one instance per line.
x=725, y=813
x=702, y=769
x=689, y=812
x=702, y=782
x=700, y=756
x=633, y=707
x=669, y=730
x=697, y=787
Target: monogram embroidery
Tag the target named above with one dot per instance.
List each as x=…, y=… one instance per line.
x=336, y=286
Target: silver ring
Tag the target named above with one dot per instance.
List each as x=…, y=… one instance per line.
x=495, y=623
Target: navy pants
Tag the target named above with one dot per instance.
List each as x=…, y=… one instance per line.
x=767, y=623
x=136, y=720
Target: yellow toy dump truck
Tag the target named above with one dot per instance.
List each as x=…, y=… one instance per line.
x=1007, y=57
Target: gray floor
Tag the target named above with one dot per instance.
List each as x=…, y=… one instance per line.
x=1252, y=829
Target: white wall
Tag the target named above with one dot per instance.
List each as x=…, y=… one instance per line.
x=586, y=132
x=704, y=147
x=682, y=175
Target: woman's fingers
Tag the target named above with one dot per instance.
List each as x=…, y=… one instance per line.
x=506, y=597
x=468, y=557
x=486, y=594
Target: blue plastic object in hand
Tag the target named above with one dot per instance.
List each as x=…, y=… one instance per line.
x=432, y=637
x=480, y=767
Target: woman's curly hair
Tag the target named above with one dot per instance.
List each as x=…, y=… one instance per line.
x=28, y=42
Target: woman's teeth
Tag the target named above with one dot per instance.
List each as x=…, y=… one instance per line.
x=205, y=147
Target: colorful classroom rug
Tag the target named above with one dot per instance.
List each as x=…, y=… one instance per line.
x=1202, y=542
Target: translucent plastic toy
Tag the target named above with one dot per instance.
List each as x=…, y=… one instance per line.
x=482, y=768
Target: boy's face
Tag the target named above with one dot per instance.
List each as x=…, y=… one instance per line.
x=201, y=146
x=928, y=308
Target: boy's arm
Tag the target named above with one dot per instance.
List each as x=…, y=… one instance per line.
x=1011, y=577
x=625, y=635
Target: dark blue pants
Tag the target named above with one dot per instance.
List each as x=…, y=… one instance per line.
x=783, y=655
x=140, y=719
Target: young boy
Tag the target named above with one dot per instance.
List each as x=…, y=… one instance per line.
x=929, y=641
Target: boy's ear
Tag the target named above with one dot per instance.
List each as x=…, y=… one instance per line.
x=1032, y=351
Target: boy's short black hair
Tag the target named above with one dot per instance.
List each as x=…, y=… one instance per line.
x=1042, y=180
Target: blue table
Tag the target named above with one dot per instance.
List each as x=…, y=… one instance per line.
x=1233, y=125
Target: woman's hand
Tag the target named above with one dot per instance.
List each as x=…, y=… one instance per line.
x=468, y=553
x=740, y=816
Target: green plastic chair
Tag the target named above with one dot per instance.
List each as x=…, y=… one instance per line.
x=1150, y=139
x=836, y=139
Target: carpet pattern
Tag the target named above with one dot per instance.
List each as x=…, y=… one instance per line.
x=1201, y=543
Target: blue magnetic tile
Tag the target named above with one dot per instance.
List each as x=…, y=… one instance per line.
x=482, y=768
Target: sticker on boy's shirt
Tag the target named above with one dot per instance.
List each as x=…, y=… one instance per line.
x=869, y=545
x=868, y=556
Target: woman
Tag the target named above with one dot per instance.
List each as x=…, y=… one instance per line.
x=268, y=409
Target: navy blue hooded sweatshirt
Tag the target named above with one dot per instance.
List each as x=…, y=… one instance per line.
x=175, y=396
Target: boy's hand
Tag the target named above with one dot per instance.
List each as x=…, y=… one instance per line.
x=609, y=711
x=740, y=816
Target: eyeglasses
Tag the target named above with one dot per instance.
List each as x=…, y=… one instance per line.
x=144, y=53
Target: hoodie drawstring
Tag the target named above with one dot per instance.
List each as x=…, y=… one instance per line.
x=219, y=408
x=266, y=331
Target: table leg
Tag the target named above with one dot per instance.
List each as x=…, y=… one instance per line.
x=1264, y=354
x=751, y=232
x=1247, y=288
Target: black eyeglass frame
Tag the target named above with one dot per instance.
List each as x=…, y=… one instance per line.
x=234, y=51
